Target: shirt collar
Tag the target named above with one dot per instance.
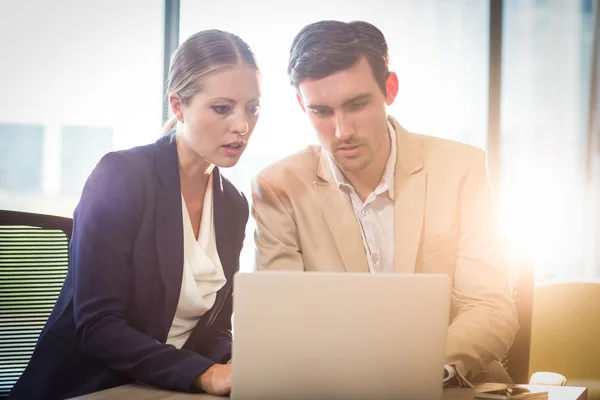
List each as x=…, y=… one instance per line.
x=387, y=180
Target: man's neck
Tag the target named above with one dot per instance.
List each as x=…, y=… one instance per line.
x=366, y=180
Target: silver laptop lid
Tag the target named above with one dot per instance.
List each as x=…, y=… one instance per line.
x=316, y=335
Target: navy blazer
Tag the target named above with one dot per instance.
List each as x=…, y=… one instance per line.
x=112, y=317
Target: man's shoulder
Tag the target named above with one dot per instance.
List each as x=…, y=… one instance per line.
x=300, y=166
x=444, y=153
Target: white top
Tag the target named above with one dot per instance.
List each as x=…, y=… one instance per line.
x=376, y=214
x=202, y=272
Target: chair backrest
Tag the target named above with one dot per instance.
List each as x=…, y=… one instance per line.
x=34, y=256
x=522, y=277
x=565, y=335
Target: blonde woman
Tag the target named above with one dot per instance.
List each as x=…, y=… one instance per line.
x=156, y=241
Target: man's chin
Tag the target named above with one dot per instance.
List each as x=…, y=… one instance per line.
x=351, y=164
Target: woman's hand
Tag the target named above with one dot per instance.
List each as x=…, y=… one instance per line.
x=216, y=380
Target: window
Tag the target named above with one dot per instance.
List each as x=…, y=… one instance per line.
x=547, y=50
x=83, y=78
x=21, y=157
x=438, y=48
x=81, y=149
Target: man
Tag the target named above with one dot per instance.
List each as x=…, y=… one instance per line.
x=376, y=198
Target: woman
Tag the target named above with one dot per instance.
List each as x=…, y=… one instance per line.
x=156, y=241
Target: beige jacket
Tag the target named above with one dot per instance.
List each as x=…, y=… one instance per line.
x=444, y=223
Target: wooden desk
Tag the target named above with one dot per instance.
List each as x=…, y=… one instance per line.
x=142, y=392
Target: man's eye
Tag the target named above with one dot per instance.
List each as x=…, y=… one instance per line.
x=320, y=113
x=357, y=106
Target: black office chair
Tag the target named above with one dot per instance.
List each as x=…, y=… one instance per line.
x=34, y=257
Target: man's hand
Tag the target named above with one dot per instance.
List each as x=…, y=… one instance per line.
x=216, y=380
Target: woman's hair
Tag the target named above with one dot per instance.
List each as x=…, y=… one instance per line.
x=199, y=56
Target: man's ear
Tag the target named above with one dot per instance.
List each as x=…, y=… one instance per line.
x=299, y=98
x=391, y=88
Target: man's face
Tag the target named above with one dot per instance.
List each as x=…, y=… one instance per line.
x=348, y=111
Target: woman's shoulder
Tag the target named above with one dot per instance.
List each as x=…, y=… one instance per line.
x=118, y=186
x=140, y=157
x=122, y=173
x=134, y=161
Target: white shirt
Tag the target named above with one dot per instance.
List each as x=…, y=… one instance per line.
x=202, y=272
x=376, y=214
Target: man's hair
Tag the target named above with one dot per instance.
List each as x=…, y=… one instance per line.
x=325, y=47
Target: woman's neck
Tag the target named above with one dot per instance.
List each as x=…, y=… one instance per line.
x=191, y=166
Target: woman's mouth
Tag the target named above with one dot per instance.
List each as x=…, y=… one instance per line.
x=233, y=149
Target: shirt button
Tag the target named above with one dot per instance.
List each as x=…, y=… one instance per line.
x=375, y=258
x=364, y=211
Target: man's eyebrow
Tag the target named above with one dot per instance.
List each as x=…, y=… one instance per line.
x=363, y=96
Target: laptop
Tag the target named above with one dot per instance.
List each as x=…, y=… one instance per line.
x=320, y=335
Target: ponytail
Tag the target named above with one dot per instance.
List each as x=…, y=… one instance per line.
x=169, y=125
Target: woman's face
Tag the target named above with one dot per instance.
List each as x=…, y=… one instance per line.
x=218, y=121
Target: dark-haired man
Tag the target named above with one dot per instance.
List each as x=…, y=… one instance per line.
x=376, y=198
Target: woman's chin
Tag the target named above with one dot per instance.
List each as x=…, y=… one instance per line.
x=226, y=162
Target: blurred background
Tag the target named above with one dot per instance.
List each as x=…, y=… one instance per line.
x=80, y=78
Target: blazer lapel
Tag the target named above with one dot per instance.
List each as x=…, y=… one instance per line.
x=341, y=219
x=409, y=204
x=224, y=233
x=169, y=225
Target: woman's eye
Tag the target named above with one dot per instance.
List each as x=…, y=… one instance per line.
x=254, y=109
x=221, y=109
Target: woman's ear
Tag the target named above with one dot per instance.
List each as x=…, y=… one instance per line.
x=176, y=106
